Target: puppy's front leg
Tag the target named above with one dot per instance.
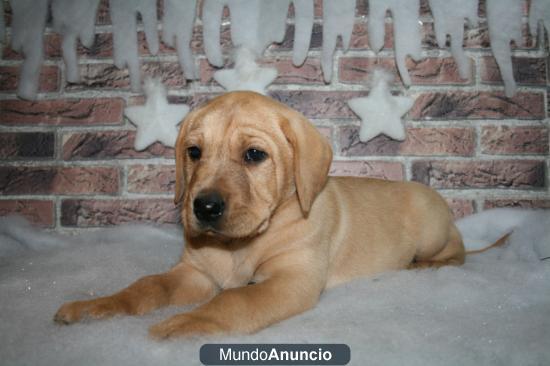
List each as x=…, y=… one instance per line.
x=250, y=308
x=182, y=285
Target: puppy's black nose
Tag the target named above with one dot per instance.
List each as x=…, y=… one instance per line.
x=208, y=207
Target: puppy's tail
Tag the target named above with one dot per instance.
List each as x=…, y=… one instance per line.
x=490, y=228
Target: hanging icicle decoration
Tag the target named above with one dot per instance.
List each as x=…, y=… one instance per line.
x=177, y=30
x=254, y=25
x=212, y=11
x=406, y=30
x=74, y=19
x=123, y=15
x=27, y=27
x=449, y=16
x=2, y=24
x=338, y=18
x=504, y=20
x=303, y=25
x=539, y=11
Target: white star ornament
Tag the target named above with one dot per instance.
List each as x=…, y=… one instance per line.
x=246, y=75
x=381, y=112
x=156, y=120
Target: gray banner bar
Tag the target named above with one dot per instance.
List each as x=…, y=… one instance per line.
x=275, y=354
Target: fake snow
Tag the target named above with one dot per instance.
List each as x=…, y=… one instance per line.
x=125, y=42
x=406, y=29
x=74, y=20
x=493, y=310
x=504, y=21
x=449, y=16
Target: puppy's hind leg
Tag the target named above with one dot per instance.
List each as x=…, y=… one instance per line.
x=453, y=253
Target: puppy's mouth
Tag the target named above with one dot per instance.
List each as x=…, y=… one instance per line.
x=224, y=234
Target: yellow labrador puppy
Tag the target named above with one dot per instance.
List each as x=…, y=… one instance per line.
x=267, y=231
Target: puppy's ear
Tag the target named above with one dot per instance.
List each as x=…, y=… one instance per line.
x=312, y=158
x=180, y=174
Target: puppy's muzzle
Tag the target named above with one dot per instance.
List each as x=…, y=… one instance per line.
x=208, y=208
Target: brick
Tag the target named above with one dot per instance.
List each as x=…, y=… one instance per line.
x=326, y=132
x=49, y=78
x=477, y=105
x=58, y=180
x=316, y=41
x=308, y=73
x=478, y=38
x=318, y=104
x=109, y=145
x=516, y=174
x=27, y=145
x=103, y=16
x=534, y=203
x=64, y=112
x=371, y=169
x=52, y=48
x=108, y=76
x=198, y=99
x=101, y=76
x=431, y=70
x=460, y=207
x=360, y=38
x=38, y=212
x=174, y=99
x=360, y=41
x=197, y=40
x=170, y=73
x=419, y=141
x=193, y=101
x=143, y=49
x=429, y=40
x=509, y=140
x=101, y=48
x=527, y=70
x=93, y=213
x=8, y=12
x=151, y=178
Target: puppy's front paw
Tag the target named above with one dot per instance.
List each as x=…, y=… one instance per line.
x=184, y=325
x=101, y=308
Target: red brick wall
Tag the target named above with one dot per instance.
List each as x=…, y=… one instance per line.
x=67, y=160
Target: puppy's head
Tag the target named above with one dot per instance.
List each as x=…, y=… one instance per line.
x=240, y=156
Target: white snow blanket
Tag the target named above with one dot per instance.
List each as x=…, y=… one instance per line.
x=493, y=310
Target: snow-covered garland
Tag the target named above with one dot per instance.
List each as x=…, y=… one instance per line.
x=255, y=25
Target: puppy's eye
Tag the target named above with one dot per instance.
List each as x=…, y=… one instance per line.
x=254, y=156
x=194, y=153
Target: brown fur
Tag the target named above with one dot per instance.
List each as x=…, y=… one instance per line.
x=287, y=227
